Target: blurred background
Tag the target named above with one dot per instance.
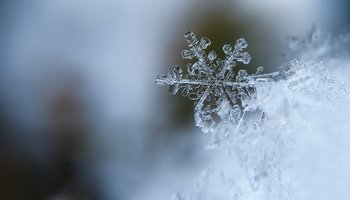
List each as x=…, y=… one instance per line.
x=80, y=115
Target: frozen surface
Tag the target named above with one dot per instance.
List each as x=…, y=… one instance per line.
x=298, y=144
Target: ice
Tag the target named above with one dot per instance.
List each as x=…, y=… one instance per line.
x=211, y=81
x=299, y=108
x=212, y=56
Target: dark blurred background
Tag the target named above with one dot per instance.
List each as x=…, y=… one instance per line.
x=80, y=115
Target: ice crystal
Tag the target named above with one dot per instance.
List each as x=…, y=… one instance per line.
x=212, y=83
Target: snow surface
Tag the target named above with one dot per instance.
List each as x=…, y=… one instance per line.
x=299, y=146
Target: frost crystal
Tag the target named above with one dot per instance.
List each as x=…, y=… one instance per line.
x=212, y=83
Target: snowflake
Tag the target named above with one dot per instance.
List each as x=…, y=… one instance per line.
x=212, y=83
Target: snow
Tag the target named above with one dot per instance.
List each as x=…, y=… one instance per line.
x=297, y=148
